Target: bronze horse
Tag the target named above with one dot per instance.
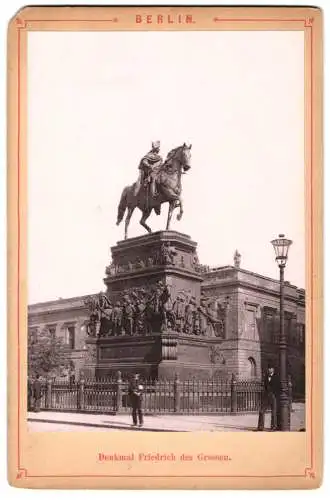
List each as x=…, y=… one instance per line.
x=168, y=189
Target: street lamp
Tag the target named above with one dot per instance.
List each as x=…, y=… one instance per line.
x=281, y=247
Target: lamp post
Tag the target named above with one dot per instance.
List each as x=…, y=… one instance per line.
x=281, y=246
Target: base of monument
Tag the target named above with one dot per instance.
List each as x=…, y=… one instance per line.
x=164, y=370
x=160, y=355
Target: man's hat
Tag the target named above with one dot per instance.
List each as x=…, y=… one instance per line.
x=155, y=144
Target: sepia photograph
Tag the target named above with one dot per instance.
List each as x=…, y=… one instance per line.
x=165, y=247
x=166, y=231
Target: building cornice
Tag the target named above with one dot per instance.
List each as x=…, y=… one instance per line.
x=230, y=283
x=217, y=271
x=60, y=305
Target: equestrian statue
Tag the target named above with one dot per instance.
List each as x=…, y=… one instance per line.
x=159, y=182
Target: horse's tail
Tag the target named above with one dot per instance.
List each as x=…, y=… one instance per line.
x=122, y=206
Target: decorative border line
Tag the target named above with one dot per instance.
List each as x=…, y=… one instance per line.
x=22, y=473
x=308, y=21
x=22, y=23
x=309, y=471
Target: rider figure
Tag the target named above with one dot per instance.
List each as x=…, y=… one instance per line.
x=149, y=162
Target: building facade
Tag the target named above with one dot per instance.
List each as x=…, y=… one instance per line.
x=65, y=319
x=253, y=322
x=249, y=331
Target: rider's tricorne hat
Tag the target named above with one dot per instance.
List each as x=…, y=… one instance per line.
x=155, y=144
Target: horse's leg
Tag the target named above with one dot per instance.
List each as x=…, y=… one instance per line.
x=179, y=203
x=127, y=220
x=145, y=215
x=169, y=217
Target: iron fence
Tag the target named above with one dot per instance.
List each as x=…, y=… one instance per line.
x=159, y=397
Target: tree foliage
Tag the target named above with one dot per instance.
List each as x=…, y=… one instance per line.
x=47, y=354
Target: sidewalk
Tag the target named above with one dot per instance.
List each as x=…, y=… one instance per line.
x=168, y=423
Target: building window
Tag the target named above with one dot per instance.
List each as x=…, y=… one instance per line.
x=70, y=335
x=251, y=326
x=252, y=367
x=269, y=325
x=52, y=331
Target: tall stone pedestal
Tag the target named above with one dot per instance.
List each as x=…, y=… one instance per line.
x=153, y=284
x=166, y=256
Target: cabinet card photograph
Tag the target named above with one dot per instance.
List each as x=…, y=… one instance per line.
x=165, y=247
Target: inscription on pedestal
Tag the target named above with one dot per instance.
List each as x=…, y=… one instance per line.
x=122, y=352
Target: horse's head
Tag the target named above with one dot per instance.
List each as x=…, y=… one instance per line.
x=179, y=158
x=186, y=157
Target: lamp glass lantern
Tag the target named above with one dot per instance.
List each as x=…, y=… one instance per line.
x=281, y=246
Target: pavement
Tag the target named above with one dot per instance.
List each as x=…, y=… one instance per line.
x=60, y=427
x=61, y=421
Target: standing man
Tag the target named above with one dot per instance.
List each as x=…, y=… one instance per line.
x=270, y=394
x=37, y=393
x=135, y=393
x=149, y=162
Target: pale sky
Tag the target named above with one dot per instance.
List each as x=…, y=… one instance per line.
x=96, y=100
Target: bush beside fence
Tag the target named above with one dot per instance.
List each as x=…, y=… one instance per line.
x=159, y=397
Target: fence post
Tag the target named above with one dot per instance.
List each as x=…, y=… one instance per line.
x=119, y=393
x=81, y=394
x=48, y=401
x=176, y=393
x=233, y=394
